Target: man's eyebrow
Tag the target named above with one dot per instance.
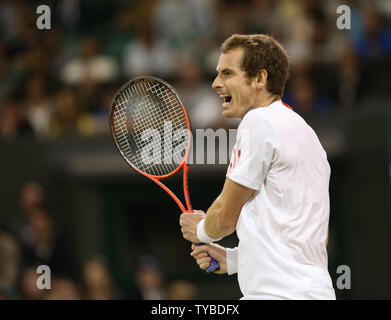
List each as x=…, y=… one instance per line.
x=224, y=70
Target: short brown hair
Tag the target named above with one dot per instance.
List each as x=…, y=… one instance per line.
x=262, y=52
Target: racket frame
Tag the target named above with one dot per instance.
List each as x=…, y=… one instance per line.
x=183, y=165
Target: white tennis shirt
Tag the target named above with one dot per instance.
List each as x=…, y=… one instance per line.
x=282, y=230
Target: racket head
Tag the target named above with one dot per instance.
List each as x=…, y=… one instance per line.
x=147, y=106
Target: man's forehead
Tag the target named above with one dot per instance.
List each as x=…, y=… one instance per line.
x=232, y=59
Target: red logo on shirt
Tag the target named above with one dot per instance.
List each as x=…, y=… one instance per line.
x=234, y=160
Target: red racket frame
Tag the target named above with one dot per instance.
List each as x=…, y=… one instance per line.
x=183, y=164
x=185, y=167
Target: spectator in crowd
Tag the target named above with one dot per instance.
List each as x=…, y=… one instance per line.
x=97, y=280
x=31, y=197
x=149, y=280
x=181, y=290
x=229, y=20
x=9, y=265
x=348, y=77
x=53, y=44
x=13, y=123
x=193, y=20
x=38, y=238
x=40, y=241
x=5, y=74
x=69, y=14
x=325, y=43
x=302, y=95
x=66, y=115
x=148, y=55
x=90, y=64
x=63, y=289
x=28, y=284
x=295, y=29
x=38, y=106
x=375, y=39
x=101, y=112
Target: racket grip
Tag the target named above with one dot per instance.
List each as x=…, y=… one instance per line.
x=213, y=265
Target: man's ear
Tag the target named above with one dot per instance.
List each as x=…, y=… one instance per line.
x=261, y=79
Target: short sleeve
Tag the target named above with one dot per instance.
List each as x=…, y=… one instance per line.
x=256, y=147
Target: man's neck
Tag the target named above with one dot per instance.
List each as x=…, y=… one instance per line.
x=266, y=101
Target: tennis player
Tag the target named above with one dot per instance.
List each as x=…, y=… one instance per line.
x=276, y=190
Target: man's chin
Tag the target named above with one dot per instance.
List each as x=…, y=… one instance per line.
x=228, y=114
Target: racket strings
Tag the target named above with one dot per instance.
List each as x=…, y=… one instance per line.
x=149, y=121
x=145, y=115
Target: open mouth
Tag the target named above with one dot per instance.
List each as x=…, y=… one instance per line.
x=226, y=98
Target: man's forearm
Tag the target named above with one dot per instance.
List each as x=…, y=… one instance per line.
x=217, y=224
x=223, y=214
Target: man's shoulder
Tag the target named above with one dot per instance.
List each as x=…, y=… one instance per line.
x=264, y=117
x=276, y=109
x=257, y=125
x=253, y=118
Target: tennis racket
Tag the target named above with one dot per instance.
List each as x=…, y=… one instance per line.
x=151, y=130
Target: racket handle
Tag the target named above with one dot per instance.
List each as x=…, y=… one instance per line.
x=213, y=265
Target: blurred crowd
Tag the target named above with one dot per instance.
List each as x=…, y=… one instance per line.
x=33, y=239
x=60, y=82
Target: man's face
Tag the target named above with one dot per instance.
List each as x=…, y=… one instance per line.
x=233, y=86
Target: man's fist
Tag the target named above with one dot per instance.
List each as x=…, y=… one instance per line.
x=189, y=223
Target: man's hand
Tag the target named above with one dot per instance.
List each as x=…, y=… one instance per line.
x=189, y=223
x=200, y=254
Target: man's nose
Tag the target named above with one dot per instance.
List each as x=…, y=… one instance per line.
x=216, y=83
